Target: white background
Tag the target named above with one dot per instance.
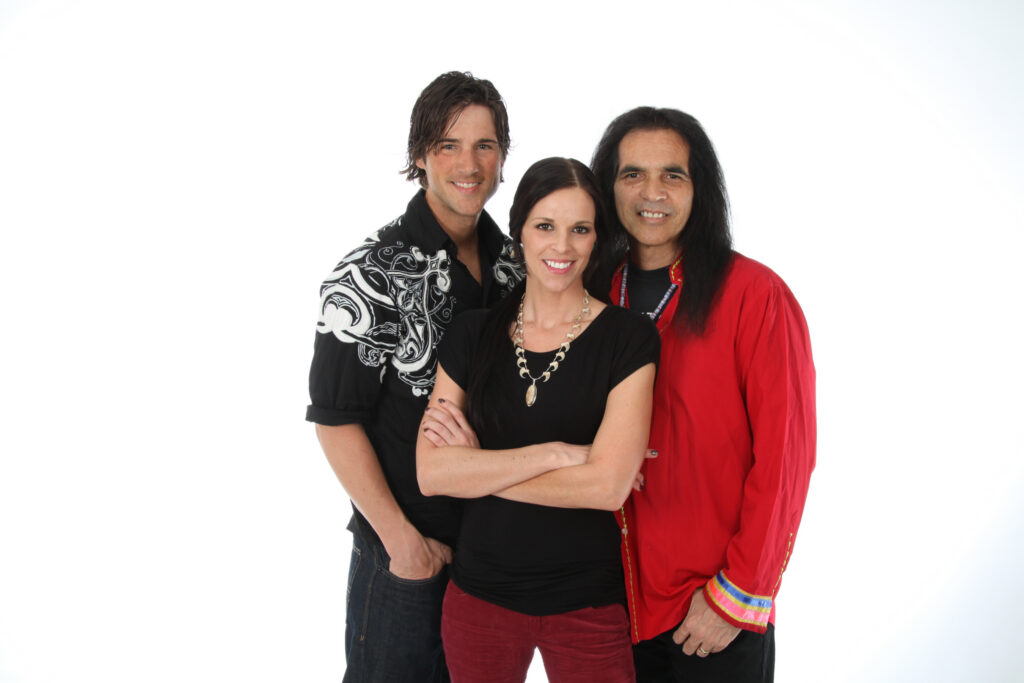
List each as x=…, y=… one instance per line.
x=177, y=177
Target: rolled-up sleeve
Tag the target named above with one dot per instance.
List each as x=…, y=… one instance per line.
x=356, y=336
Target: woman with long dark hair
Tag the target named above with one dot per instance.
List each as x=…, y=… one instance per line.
x=539, y=418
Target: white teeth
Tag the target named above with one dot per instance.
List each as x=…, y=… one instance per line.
x=653, y=214
x=466, y=185
x=559, y=265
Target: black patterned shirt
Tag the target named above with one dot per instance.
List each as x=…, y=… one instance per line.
x=383, y=311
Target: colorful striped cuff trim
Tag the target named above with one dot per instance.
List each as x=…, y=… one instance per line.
x=737, y=603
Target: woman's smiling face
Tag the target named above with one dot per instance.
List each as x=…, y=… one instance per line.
x=558, y=238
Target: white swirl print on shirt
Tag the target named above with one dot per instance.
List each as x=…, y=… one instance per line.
x=507, y=272
x=372, y=287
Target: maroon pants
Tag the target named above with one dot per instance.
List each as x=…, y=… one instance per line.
x=484, y=642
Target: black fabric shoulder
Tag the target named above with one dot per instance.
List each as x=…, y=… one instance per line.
x=457, y=349
x=638, y=342
x=349, y=355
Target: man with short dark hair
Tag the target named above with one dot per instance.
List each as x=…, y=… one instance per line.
x=708, y=537
x=383, y=311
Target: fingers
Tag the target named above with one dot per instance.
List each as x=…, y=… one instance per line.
x=709, y=632
x=641, y=481
x=691, y=639
x=439, y=429
x=703, y=632
x=440, y=550
x=446, y=553
x=442, y=421
x=681, y=634
x=433, y=438
x=699, y=642
x=456, y=413
x=415, y=563
x=439, y=414
x=461, y=422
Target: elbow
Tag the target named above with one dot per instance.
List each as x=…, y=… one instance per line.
x=428, y=486
x=617, y=488
x=425, y=475
x=425, y=485
x=614, y=503
x=434, y=475
x=613, y=496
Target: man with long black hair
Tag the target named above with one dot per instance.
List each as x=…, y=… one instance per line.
x=383, y=311
x=708, y=537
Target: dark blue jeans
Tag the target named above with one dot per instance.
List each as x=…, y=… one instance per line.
x=393, y=625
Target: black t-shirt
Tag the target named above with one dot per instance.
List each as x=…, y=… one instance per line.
x=383, y=312
x=647, y=288
x=533, y=558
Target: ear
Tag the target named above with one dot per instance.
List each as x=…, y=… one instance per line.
x=421, y=164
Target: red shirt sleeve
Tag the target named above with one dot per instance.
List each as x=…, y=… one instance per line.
x=773, y=353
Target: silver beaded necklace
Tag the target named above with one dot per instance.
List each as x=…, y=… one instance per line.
x=656, y=313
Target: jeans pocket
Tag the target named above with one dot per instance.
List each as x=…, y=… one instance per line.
x=395, y=624
x=383, y=562
x=436, y=578
x=353, y=566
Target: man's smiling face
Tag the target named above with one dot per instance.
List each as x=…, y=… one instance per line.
x=464, y=168
x=654, y=193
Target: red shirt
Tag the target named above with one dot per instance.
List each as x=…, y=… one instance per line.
x=734, y=427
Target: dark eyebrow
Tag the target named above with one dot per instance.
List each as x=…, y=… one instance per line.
x=630, y=169
x=447, y=141
x=677, y=169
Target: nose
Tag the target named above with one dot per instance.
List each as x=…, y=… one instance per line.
x=653, y=190
x=466, y=161
x=562, y=240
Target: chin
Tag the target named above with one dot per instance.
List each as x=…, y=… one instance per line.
x=560, y=285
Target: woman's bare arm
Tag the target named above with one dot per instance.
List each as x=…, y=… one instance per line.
x=449, y=460
x=605, y=480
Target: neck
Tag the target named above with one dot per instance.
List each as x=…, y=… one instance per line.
x=652, y=258
x=461, y=229
x=545, y=308
x=464, y=236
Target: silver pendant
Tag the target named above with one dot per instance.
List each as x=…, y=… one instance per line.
x=531, y=395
